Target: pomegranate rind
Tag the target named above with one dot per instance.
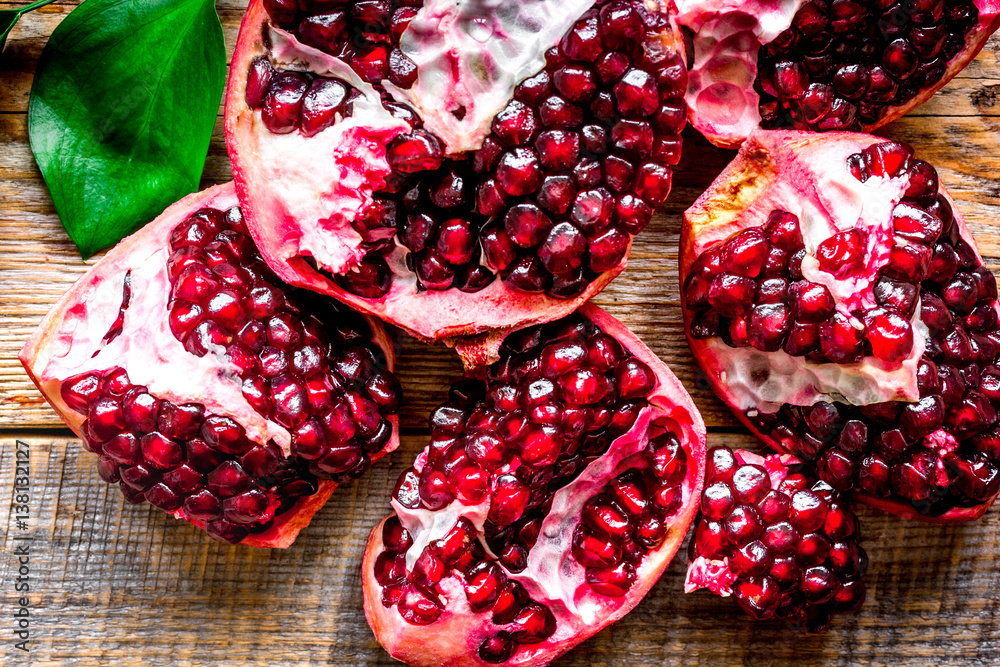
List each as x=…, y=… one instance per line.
x=747, y=183
x=44, y=354
x=722, y=102
x=429, y=316
x=454, y=638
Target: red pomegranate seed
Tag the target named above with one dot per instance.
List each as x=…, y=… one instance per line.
x=283, y=101
x=322, y=101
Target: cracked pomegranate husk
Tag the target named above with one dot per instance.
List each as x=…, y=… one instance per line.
x=783, y=543
x=209, y=388
x=823, y=64
x=453, y=168
x=557, y=486
x=835, y=299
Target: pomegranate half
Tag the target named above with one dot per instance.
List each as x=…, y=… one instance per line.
x=558, y=484
x=835, y=299
x=453, y=168
x=823, y=64
x=209, y=388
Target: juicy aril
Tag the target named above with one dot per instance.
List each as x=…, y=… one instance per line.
x=453, y=168
x=782, y=543
x=823, y=64
x=557, y=486
x=836, y=301
x=209, y=388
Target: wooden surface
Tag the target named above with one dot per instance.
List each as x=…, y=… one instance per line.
x=116, y=583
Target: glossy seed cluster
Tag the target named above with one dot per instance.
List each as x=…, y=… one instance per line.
x=365, y=34
x=292, y=101
x=793, y=548
x=843, y=63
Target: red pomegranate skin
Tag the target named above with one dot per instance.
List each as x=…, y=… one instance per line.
x=920, y=438
x=194, y=388
x=450, y=602
x=521, y=217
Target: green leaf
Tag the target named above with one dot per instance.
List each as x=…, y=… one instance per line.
x=122, y=110
x=8, y=17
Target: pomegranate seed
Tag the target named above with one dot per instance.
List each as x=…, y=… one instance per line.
x=498, y=648
x=890, y=336
x=323, y=31
x=416, y=152
x=258, y=80
x=759, y=597
x=322, y=101
x=519, y=172
x=418, y=607
x=842, y=254
x=608, y=249
x=583, y=41
x=283, y=101
x=515, y=125
x=527, y=225
x=636, y=93
x=558, y=149
x=556, y=194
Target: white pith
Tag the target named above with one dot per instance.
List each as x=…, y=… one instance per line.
x=471, y=54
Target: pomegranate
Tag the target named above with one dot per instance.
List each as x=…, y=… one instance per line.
x=478, y=167
x=835, y=299
x=557, y=486
x=823, y=64
x=209, y=388
x=784, y=544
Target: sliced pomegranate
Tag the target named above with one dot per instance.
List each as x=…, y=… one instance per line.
x=557, y=486
x=453, y=168
x=208, y=387
x=782, y=543
x=822, y=65
x=867, y=344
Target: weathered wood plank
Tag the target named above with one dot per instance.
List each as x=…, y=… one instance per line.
x=123, y=584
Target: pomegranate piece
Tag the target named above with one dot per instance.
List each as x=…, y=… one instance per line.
x=785, y=544
x=208, y=387
x=884, y=378
x=451, y=205
x=558, y=484
x=819, y=65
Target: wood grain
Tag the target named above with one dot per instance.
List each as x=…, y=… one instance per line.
x=124, y=584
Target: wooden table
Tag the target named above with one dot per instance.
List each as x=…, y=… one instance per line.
x=116, y=583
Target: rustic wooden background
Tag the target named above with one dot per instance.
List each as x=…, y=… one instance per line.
x=115, y=583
